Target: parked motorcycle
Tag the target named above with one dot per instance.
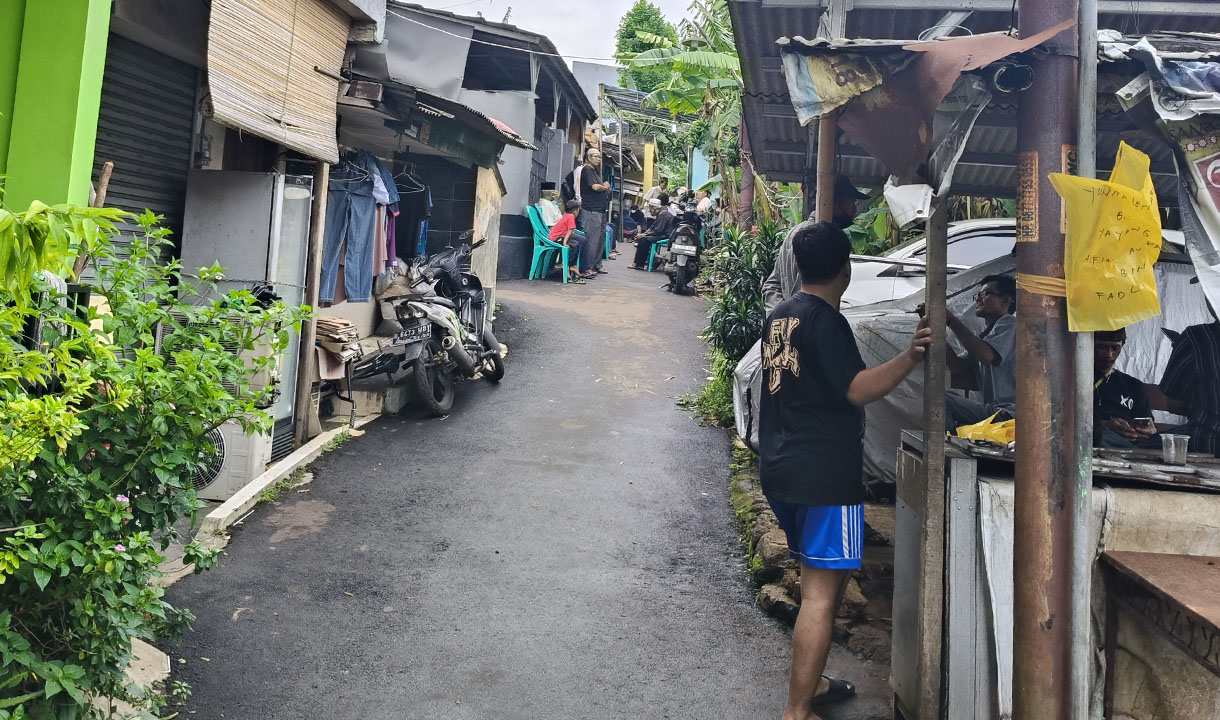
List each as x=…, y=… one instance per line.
x=685, y=249
x=462, y=343
x=444, y=332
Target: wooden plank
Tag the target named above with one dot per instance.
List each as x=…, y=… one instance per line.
x=930, y=630
x=1191, y=581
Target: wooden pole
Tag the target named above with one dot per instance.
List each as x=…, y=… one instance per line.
x=99, y=200
x=827, y=145
x=832, y=25
x=929, y=632
x=309, y=328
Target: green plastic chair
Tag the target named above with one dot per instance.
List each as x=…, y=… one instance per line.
x=543, y=247
x=655, y=246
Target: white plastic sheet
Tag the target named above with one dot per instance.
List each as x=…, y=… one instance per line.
x=883, y=330
x=747, y=384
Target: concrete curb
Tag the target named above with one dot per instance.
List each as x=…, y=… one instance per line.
x=232, y=509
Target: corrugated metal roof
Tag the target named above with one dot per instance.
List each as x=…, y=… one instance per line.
x=472, y=117
x=779, y=142
x=430, y=104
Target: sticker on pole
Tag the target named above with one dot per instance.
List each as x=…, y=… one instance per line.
x=1113, y=239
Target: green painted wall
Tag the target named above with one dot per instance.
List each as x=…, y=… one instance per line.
x=58, y=91
x=12, y=18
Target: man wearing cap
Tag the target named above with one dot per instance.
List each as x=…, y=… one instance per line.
x=1192, y=383
x=659, y=231
x=594, y=200
x=785, y=279
x=1121, y=415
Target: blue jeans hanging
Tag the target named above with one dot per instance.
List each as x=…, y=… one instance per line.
x=350, y=210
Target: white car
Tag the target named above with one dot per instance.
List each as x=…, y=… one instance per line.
x=971, y=243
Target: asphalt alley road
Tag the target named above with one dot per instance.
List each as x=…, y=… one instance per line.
x=559, y=548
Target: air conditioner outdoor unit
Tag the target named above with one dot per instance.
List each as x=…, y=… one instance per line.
x=259, y=382
x=234, y=460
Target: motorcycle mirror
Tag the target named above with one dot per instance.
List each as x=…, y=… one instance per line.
x=466, y=235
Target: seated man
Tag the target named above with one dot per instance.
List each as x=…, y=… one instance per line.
x=1121, y=416
x=1192, y=384
x=989, y=355
x=659, y=231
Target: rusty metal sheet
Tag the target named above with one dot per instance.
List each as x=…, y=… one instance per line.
x=893, y=121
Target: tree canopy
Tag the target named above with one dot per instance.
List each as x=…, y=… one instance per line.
x=647, y=18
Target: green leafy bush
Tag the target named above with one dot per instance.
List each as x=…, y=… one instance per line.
x=104, y=412
x=740, y=264
x=715, y=399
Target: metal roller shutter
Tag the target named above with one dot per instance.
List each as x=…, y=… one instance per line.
x=146, y=128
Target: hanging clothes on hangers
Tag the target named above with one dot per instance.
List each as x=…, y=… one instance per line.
x=415, y=207
x=421, y=243
x=350, y=217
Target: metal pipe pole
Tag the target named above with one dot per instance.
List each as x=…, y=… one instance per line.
x=1082, y=500
x=622, y=174
x=309, y=328
x=1047, y=461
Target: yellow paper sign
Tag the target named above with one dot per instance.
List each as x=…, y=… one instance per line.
x=1113, y=239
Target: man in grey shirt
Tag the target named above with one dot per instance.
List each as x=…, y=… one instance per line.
x=989, y=355
x=785, y=279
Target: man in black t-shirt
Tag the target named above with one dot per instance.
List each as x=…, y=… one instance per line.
x=1192, y=384
x=594, y=194
x=1121, y=416
x=811, y=452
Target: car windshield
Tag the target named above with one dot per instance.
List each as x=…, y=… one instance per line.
x=971, y=250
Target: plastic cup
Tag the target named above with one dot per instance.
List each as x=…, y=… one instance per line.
x=1173, y=448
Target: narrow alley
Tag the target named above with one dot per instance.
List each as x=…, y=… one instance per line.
x=560, y=546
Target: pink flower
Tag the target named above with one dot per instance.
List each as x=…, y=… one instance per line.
x=172, y=406
x=122, y=498
x=120, y=547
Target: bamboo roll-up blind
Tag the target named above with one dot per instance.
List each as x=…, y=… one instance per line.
x=261, y=60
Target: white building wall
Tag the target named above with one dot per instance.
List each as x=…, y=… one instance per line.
x=515, y=109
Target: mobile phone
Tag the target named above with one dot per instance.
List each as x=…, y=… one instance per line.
x=1142, y=421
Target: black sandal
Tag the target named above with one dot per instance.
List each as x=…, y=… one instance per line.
x=838, y=691
x=874, y=537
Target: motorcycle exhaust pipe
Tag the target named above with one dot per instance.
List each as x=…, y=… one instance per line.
x=459, y=354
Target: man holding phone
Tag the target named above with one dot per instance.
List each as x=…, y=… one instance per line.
x=1121, y=416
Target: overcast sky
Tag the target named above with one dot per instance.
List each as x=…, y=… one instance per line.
x=577, y=27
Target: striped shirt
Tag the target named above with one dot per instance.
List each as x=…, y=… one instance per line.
x=1193, y=377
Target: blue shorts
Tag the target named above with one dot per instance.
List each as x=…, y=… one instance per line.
x=822, y=536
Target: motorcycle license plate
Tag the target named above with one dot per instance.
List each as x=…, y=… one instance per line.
x=420, y=331
x=685, y=250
